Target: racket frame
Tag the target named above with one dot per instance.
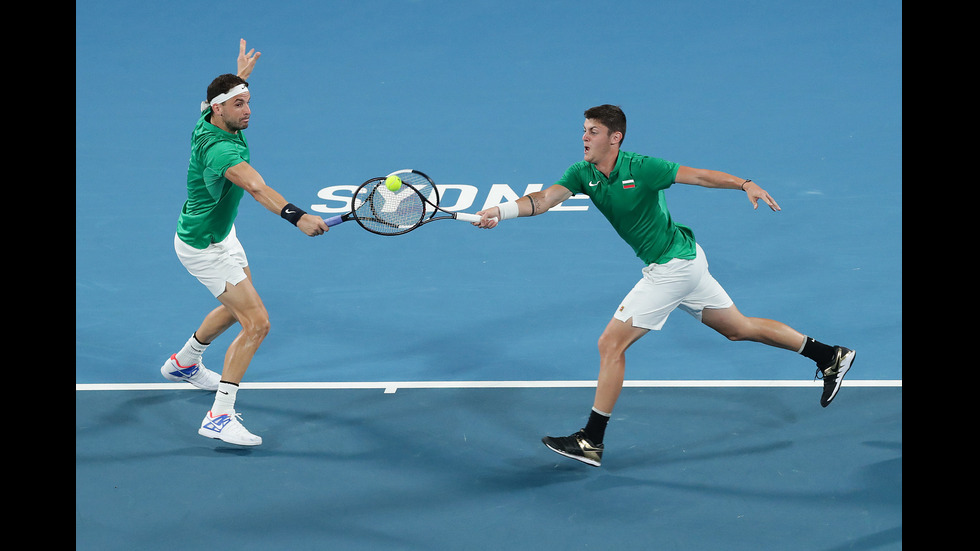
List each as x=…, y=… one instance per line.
x=426, y=217
x=462, y=216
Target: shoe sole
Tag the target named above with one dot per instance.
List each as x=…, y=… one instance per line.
x=212, y=435
x=585, y=460
x=840, y=377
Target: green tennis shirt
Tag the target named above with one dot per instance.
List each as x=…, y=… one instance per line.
x=632, y=199
x=212, y=200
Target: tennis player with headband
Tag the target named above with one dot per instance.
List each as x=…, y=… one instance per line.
x=218, y=176
x=629, y=191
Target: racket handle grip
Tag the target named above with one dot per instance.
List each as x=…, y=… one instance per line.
x=334, y=220
x=466, y=217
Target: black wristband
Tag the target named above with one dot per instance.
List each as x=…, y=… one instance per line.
x=743, y=184
x=292, y=213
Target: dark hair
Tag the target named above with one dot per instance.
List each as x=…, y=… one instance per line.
x=222, y=84
x=611, y=116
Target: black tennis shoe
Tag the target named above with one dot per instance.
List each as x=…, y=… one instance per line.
x=833, y=374
x=577, y=446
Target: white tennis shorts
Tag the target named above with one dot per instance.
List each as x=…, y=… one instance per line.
x=679, y=283
x=219, y=263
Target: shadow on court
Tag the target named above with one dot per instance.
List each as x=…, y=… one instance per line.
x=464, y=469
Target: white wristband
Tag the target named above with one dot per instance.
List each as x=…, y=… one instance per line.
x=508, y=210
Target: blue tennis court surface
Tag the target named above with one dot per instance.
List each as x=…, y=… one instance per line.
x=406, y=383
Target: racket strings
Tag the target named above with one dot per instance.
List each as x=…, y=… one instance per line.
x=389, y=212
x=425, y=187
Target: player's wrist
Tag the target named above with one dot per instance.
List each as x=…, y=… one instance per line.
x=508, y=210
x=292, y=213
x=747, y=181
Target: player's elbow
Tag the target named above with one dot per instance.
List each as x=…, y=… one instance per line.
x=258, y=190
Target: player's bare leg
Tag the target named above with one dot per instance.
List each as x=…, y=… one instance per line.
x=615, y=339
x=242, y=301
x=586, y=445
x=833, y=362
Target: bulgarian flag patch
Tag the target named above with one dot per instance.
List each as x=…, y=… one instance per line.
x=628, y=184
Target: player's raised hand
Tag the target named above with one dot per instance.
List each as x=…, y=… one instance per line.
x=246, y=61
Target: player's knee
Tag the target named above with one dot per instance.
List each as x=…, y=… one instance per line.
x=738, y=329
x=603, y=343
x=257, y=328
x=263, y=327
x=734, y=336
x=746, y=330
x=609, y=345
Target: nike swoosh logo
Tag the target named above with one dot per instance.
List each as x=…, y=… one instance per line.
x=290, y=211
x=593, y=185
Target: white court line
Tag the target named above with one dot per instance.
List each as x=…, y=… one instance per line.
x=390, y=387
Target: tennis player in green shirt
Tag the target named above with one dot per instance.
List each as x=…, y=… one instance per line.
x=218, y=176
x=629, y=191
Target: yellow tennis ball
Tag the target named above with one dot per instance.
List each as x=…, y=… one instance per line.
x=394, y=183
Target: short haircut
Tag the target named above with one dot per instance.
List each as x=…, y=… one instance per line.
x=611, y=116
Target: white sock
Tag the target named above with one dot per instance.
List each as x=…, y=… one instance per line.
x=602, y=413
x=802, y=346
x=224, y=399
x=191, y=353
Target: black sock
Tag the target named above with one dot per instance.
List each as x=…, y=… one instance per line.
x=595, y=429
x=818, y=352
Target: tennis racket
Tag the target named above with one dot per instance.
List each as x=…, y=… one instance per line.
x=379, y=210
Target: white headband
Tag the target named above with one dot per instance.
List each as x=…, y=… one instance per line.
x=221, y=98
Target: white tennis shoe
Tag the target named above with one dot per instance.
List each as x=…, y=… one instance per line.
x=197, y=374
x=228, y=427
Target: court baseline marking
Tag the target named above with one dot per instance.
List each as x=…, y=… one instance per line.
x=390, y=387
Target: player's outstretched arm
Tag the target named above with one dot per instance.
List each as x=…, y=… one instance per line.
x=249, y=179
x=531, y=204
x=723, y=180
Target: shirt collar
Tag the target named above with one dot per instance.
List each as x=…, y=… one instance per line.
x=614, y=172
